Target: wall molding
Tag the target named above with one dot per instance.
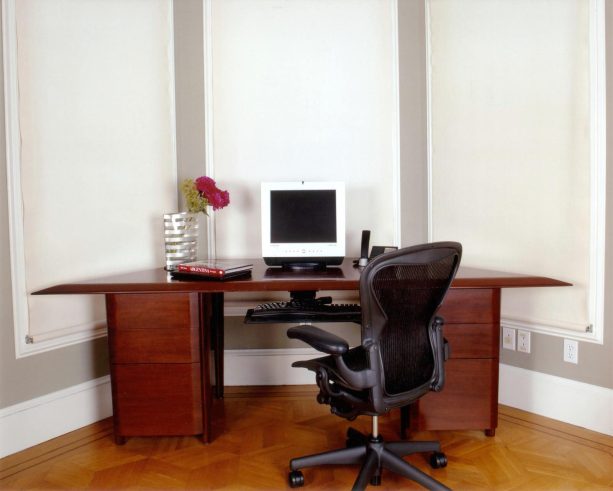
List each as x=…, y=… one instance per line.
x=209, y=164
x=576, y=403
x=566, y=330
x=396, y=182
x=598, y=167
x=13, y=170
x=35, y=421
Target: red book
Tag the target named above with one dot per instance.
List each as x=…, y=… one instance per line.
x=220, y=268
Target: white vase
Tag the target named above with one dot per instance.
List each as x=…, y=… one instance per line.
x=180, y=238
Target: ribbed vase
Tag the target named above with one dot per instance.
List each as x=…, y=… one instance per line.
x=180, y=238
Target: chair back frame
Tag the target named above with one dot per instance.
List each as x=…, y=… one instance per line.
x=375, y=318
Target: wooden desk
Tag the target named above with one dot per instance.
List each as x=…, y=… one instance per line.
x=161, y=332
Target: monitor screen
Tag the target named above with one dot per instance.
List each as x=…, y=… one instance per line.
x=303, y=222
x=303, y=216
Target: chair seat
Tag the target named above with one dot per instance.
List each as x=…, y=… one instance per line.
x=340, y=391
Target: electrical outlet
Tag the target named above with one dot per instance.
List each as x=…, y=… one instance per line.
x=508, y=338
x=523, y=341
x=571, y=351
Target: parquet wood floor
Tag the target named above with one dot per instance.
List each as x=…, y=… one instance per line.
x=260, y=429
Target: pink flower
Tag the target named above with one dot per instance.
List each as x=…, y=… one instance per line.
x=215, y=196
x=219, y=199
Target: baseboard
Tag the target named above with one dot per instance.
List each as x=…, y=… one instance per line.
x=267, y=366
x=569, y=401
x=35, y=421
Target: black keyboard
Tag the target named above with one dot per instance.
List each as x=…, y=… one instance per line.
x=310, y=311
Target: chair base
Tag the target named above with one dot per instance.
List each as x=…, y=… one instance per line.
x=374, y=455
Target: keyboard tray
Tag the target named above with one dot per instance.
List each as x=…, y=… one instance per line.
x=282, y=312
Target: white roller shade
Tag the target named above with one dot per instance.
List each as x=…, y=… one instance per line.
x=510, y=140
x=97, y=162
x=303, y=90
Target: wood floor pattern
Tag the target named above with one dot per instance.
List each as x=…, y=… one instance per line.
x=260, y=429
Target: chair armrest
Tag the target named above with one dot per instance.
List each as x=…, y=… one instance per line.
x=319, y=339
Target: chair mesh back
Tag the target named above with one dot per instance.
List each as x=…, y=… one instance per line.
x=409, y=295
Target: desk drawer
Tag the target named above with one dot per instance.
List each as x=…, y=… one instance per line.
x=472, y=340
x=154, y=345
x=152, y=310
x=471, y=306
x=468, y=400
x=157, y=399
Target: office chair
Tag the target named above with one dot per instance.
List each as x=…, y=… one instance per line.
x=400, y=359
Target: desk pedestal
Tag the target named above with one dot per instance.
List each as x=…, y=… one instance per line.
x=469, y=399
x=159, y=346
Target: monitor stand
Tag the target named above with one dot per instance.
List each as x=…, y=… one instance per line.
x=303, y=296
x=304, y=266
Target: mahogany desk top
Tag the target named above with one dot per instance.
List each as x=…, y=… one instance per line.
x=264, y=278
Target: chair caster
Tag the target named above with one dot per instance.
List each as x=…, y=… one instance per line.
x=295, y=479
x=438, y=460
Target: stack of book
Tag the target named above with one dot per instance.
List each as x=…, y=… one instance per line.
x=215, y=269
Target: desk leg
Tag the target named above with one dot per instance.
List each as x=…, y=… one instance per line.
x=217, y=332
x=206, y=335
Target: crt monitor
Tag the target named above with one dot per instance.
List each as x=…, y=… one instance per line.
x=303, y=223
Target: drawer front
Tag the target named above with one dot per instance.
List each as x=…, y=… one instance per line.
x=157, y=399
x=154, y=345
x=471, y=306
x=468, y=400
x=152, y=310
x=472, y=340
